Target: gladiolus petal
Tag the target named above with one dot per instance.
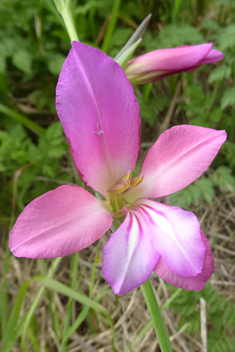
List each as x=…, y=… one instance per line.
x=191, y=282
x=175, y=235
x=129, y=257
x=100, y=116
x=179, y=156
x=58, y=223
x=161, y=63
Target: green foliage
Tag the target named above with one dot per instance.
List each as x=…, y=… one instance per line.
x=150, y=109
x=227, y=38
x=228, y=98
x=18, y=152
x=22, y=60
x=224, y=179
x=204, y=188
x=177, y=35
x=220, y=316
x=229, y=149
x=219, y=73
x=33, y=46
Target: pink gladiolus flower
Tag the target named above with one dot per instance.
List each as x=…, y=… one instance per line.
x=100, y=116
x=161, y=63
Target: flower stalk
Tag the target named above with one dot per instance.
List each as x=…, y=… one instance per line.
x=156, y=316
x=63, y=8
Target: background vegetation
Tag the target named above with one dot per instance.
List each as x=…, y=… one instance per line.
x=61, y=305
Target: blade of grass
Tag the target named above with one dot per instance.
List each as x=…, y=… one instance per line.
x=69, y=308
x=13, y=336
x=13, y=320
x=22, y=119
x=67, y=291
x=77, y=323
x=3, y=292
x=50, y=272
x=82, y=316
x=33, y=340
x=111, y=25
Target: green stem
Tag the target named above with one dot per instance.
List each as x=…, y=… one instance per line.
x=63, y=8
x=156, y=316
x=68, y=20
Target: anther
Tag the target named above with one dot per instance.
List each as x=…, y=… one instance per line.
x=127, y=176
x=119, y=187
x=136, y=180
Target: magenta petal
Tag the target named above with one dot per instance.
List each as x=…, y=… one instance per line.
x=58, y=223
x=191, y=282
x=179, y=157
x=175, y=235
x=129, y=257
x=176, y=59
x=212, y=56
x=100, y=116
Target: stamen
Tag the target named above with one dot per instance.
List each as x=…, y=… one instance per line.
x=136, y=180
x=127, y=176
x=119, y=187
x=99, y=131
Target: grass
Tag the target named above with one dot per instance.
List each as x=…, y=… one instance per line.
x=65, y=304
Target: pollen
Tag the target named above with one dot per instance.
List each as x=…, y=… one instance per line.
x=125, y=183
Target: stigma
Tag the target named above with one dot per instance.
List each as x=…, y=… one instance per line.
x=124, y=183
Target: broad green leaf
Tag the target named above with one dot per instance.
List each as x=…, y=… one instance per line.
x=56, y=63
x=219, y=73
x=207, y=189
x=22, y=60
x=228, y=98
x=224, y=179
x=227, y=38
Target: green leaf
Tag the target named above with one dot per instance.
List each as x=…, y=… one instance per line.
x=176, y=35
x=227, y=38
x=2, y=64
x=127, y=54
x=55, y=65
x=210, y=25
x=224, y=179
x=228, y=98
x=185, y=197
x=216, y=115
x=207, y=189
x=53, y=131
x=22, y=60
x=135, y=36
x=219, y=73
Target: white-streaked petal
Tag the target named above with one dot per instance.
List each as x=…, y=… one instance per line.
x=175, y=234
x=129, y=256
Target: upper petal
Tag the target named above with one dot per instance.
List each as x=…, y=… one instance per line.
x=175, y=234
x=179, y=157
x=58, y=223
x=191, y=282
x=129, y=256
x=213, y=56
x=100, y=116
x=174, y=59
